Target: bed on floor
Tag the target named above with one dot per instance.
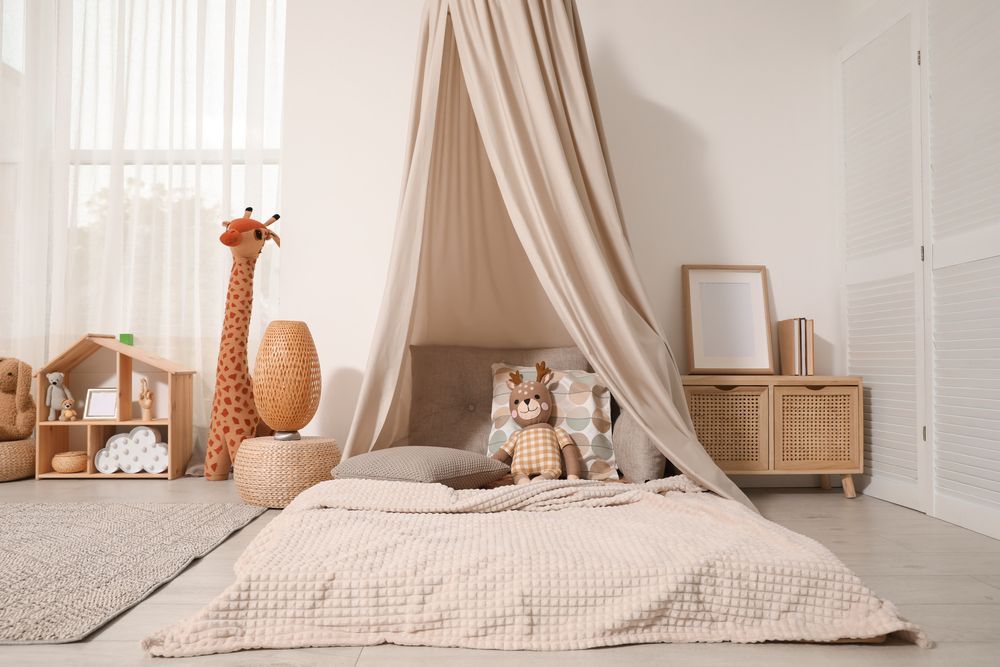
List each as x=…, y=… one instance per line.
x=552, y=565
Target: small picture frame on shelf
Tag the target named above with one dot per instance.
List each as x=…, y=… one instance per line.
x=728, y=320
x=102, y=403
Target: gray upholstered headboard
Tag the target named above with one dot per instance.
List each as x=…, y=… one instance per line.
x=453, y=396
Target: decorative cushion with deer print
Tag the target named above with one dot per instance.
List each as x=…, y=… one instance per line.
x=582, y=409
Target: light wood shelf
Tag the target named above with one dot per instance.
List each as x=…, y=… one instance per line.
x=109, y=422
x=101, y=475
x=53, y=437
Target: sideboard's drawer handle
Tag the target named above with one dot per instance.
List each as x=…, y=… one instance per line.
x=815, y=387
x=725, y=387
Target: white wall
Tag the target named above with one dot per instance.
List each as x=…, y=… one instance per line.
x=720, y=124
x=349, y=73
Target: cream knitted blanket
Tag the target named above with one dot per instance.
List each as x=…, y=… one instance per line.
x=548, y=566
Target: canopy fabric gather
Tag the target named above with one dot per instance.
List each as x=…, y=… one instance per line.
x=510, y=231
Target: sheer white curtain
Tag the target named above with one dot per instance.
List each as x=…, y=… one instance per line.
x=27, y=121
x=129, y=129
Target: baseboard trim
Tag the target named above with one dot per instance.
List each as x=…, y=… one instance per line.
x=967, y=514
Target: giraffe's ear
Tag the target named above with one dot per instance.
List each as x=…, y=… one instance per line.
x=274, y=237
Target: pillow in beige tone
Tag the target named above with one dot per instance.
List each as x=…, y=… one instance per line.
x=582, y=409
x=452, y=391
x=452, y=467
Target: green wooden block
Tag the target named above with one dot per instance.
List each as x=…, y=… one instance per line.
x=126, y=338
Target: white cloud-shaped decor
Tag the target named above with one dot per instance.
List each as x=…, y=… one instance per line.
x=139, y=450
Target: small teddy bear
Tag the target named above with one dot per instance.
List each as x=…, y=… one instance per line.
x=68, y=413
x=56, y=394
x=538, y=448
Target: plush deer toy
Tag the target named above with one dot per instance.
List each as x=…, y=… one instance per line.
x=538, y=448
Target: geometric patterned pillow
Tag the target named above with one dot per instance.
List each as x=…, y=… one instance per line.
x=582, y=409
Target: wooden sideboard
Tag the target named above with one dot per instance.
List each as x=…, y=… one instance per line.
x=781, y=424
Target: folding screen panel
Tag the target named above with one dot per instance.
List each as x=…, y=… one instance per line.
x=964, y=112
x=880, y=86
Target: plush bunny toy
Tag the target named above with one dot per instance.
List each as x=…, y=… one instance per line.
x=538, y=448
x=17, y=407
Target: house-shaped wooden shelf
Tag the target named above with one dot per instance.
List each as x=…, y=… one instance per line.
x=99, y=360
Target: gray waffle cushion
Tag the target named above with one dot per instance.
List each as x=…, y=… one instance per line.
x=451, y=467
x=453, y=390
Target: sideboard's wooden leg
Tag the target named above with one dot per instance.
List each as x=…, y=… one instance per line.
x=824, y=482
x=848, y=483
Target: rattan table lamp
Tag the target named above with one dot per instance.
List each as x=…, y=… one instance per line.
x=286, y=379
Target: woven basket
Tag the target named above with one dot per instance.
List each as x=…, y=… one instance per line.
x=17, y=459
x=271, y=472
x=67, y=462
x=286, y=376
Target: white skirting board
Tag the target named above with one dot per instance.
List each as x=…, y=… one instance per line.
x=973, y=516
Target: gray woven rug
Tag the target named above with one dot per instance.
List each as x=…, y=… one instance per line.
x=66, y=569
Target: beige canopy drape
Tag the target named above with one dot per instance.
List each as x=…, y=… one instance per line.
x=509, y=232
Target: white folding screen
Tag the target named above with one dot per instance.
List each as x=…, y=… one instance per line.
x=964, y=143
x=881, y=205
x=921, y=208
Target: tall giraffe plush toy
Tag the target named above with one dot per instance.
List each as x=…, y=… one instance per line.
x=234, y=415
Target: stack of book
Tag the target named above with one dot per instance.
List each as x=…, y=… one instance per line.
x=795, y=343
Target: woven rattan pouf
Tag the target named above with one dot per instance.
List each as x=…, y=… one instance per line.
x=17, y=459
x=271, y=472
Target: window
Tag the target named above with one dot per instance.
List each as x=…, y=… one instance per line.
x=12, y=34
x=130, y=130
x=174, y=113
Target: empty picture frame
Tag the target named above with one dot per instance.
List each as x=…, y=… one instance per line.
x=728, y=320
x=102, y=403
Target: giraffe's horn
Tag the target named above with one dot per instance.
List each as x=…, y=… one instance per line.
x=273, y=219
x=248, y=211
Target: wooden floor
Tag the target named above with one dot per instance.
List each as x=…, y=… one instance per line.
x=943, y=577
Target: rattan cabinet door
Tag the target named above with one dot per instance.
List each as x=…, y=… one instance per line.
x=731, y=423
x=817, y=429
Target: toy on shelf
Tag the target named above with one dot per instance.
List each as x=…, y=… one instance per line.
x=17, y=407
x=68, y=413
x=56, y=393
x=145, y=400
x=234, y=413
